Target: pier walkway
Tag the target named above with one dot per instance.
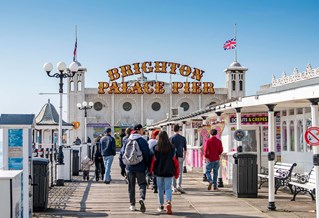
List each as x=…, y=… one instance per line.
x=96, y=199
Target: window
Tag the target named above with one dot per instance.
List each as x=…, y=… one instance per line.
x=71, y=86
x=156, y=106
x=240, y=85
x=284, y=136
x=233, y=85
x=185, y=105
x=308, y=124
x=292, y=135
x=233, y=76
x=79, y=86
x=97, y=106
x=249, y=142
x=308, y=110
x=300, y=136
x=127, y=106
x=299, y=111
x=291, y=111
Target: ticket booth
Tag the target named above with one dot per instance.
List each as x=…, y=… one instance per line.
x=17, y=153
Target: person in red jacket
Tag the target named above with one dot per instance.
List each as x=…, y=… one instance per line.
x=212, y=151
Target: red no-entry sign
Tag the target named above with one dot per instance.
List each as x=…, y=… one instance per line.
x=312, y=136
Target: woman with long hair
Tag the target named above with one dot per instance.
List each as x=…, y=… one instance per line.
x=165, y=166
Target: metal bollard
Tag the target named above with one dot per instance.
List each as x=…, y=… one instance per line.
x=47, y=153
x=41, y=153
x=35, y=153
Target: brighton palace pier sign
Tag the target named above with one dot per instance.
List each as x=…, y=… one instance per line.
x=157, y=87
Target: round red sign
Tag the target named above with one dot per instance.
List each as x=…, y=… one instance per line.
x=312, y=136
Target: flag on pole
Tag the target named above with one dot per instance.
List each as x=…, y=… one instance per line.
x=230, y=44
x=75, y=48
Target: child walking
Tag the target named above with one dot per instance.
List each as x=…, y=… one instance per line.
x=165, y=166
x=86, y=164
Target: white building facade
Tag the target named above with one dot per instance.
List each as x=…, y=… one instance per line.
x=125, y=110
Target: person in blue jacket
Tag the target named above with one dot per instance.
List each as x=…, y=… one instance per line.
x=137, y=171
x=108, y=151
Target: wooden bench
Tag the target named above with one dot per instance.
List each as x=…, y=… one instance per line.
x=304, y=183
x=282, y=174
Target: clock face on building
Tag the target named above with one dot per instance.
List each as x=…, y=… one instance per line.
x=156, y=106
x=98, y=106
x=127, y=106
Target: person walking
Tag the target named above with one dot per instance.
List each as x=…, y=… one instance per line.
x=179, y=143
x=135, y=170
x=88, y=140
x=127, y=135
x=86, y=164
x=98, y=159
x=165, y=166
x=151, y=144
x=212, y=151
x=108, y=151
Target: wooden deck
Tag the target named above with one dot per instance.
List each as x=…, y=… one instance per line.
x=96, y=199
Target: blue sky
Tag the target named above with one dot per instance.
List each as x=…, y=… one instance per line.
x=273, y=36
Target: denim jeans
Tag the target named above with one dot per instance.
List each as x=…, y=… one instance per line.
x=164, y=184
x=108, y=160
x=141, y=181
x=209, y=167
x=179, y=180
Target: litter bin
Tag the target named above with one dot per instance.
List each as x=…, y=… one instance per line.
x=75, y=163
x=40, y=183
x=245, y=180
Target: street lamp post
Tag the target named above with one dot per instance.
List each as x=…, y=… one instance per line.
x=84, y=106
x=63, y=72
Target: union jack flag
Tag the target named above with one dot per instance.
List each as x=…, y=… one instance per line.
x=75, y=49
x=230, y=44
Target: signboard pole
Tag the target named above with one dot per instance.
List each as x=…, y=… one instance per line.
x=314, y=118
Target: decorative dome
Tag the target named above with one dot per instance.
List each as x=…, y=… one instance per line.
x=235, y=64
x=49, y=116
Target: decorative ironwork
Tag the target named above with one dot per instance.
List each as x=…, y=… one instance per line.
x=309, y=73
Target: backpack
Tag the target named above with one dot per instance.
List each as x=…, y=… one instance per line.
x=132, y=153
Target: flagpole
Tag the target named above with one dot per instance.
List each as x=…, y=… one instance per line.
x=76, y=39
x=235, y=31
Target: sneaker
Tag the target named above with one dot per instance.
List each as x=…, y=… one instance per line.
x=181, y=190
x=142, y=208
x=174, y=190
x=132, y=208
x=216, y=189
x=107, y=182
x=169, y=208
x=210, y=186
x=160, y=208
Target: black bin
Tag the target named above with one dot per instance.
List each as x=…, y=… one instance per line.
x=245, y=179
x=40, y=183
x=75, y=163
